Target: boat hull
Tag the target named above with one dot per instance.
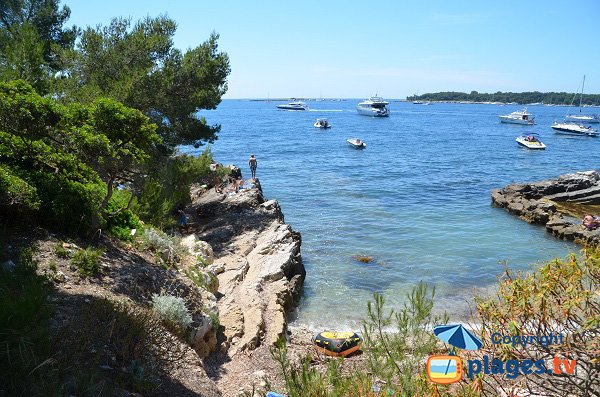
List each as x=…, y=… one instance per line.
x=286, y=107
x=373, y=112
x=583, y=119
x=574, y=130
x=355, y=144
x=537, y=145
x=510, y=120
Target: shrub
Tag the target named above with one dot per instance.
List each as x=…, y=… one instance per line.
x=167, y=186
x=560, y=297
x=167, y=248
x=127, y=338
x=17, y=192
x=119, y=218
x=25, y=346
x=172, y=310
x=61, y=251
x=87, y=261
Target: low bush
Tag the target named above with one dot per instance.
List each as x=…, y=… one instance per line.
x=26, y=351
x=119, y=218
x=172, y=310
x=87, y=261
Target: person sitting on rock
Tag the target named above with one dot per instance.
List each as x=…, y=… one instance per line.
x=590, y=222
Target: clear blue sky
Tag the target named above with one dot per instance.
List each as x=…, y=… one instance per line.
x=395, y=48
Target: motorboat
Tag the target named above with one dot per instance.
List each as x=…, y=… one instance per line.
x=531, y=141
x=297, y=105
x=582, y=118
x=322, y=123
x=518, y=117
x=357, y=143
x=574, y=129
x=374, y=107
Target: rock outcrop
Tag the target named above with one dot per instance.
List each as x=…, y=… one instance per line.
x=257, y=261
x=538, y=203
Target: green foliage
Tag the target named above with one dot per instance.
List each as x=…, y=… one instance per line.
x=560, y=297
x=17, y=192
x=25, y=346
x=556, y=98
x=63, y=155
x=87, y=261
x=303, y=379
x=166, y=187
x=138, y=66
x=397, y=356
x=172, y=310
x=61, y=251
x=33, y=42
x=119, y=218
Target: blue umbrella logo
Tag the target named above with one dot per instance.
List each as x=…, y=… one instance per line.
x=458, y=336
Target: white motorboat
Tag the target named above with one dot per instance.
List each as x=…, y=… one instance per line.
x=574, y=129
x=297, y=105
x=357, y=143
x=518, y=117
x=531, y=141
x=374, y=106
x=322, y=123
x=582, y=118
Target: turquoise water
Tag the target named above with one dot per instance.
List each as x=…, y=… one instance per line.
x=417, y=198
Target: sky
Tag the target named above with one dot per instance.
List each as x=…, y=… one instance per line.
x=355, y=49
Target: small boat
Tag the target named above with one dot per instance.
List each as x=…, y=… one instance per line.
x=357, y=143
x=574, y=129
x=531, y=141
x=297, y=105
x=518, y=117
x=337, y=344
x=374, y=106
x=322, y=123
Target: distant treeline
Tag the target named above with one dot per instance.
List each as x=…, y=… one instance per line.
x=556, y=98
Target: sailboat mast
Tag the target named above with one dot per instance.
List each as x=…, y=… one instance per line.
x=581, y=97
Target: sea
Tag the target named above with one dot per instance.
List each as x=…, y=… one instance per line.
x=417, y=199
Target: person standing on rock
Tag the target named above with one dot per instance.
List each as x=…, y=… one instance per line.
x=253, y=164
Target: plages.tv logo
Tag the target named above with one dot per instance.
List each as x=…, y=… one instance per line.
x=447, y=369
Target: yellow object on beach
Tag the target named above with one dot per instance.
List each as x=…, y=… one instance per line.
x=337, y=344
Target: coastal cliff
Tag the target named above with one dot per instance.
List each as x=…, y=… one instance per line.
x=260, y=274
x=558, y=204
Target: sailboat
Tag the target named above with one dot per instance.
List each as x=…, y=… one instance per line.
x=582, y=118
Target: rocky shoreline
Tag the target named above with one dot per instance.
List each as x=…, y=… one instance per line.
x=260, y=274
x=549, y=203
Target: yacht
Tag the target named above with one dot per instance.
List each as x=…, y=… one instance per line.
x=574, y=129
x=297, y=105
x=374, y=106
x=518, y=117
